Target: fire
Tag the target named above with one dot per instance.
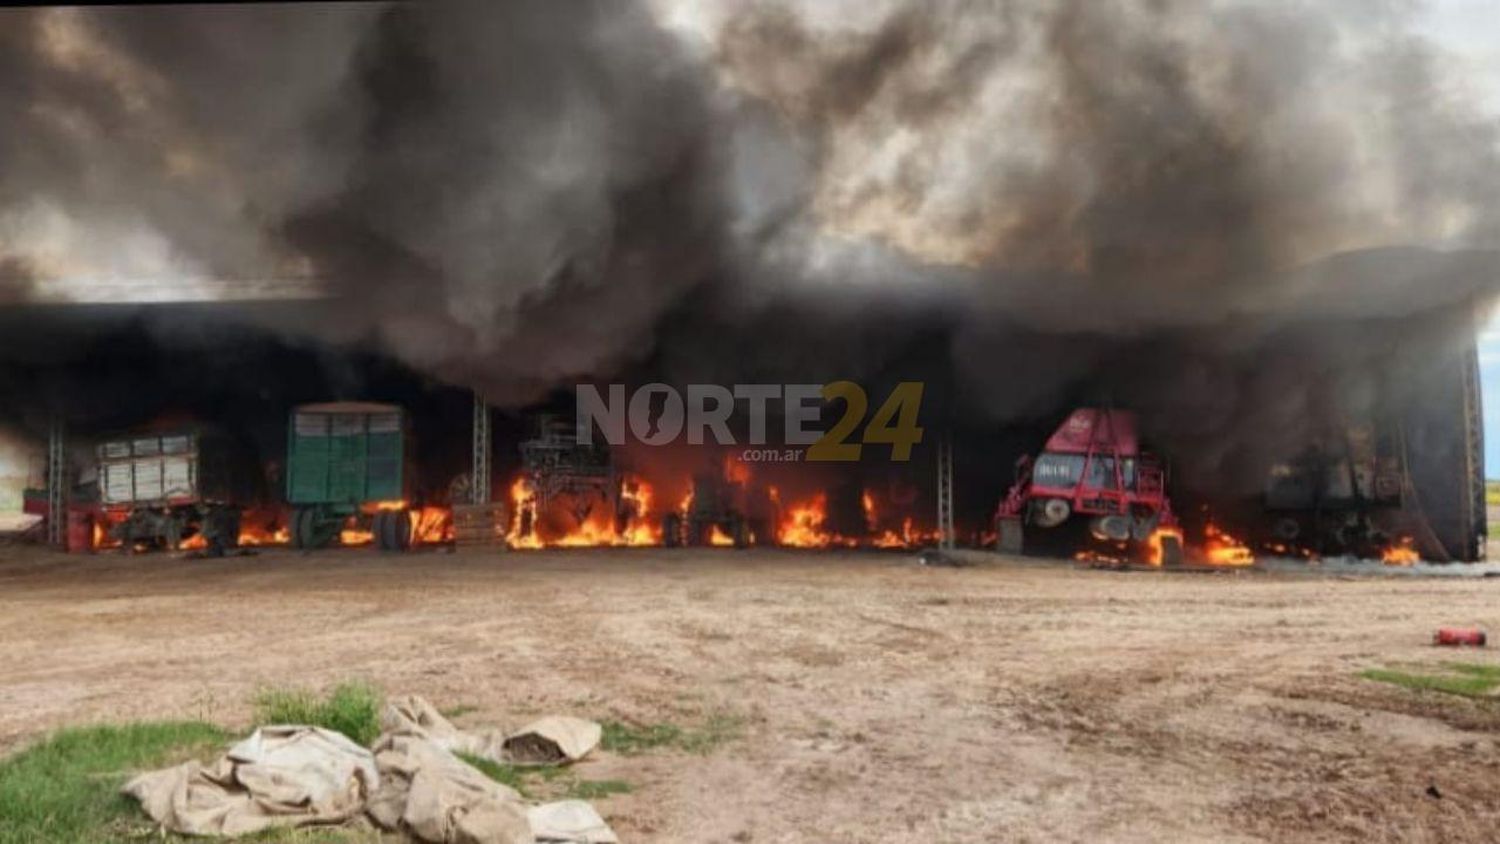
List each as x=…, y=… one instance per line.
x=1221, y=549
x=597, y=529
x=1154, y=553
x=523, y=533
x=802, y=525
x=431, y=525
x=1099, y=557
x=736, y=471
x=1403, y=553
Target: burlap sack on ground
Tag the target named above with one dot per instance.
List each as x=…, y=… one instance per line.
x=549, y=741
x=279, y=776
x=552, y=740
x=434, y=796
x=412, y=715
x=569, y=822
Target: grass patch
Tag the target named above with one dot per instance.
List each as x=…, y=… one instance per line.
x=1466, y=679
x=351, y=708
x=598, y=789
x=66, y=788
x=457, y=711
x=504, y=774
x=1492, y=493
x=546, y=783
x=633, y=739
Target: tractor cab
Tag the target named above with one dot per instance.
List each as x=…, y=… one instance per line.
x=1093, y=471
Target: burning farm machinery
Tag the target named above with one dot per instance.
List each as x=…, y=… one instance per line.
x=1092, y=471
x=720, y=510
x=348, y=461
x=1345, y=494
x=558, y=468
x=164, y=489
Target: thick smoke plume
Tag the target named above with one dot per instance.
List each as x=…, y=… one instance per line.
x=1093, y=200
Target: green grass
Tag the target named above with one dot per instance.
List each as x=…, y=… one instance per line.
x=1459, y=678
x=546, y=783
x=350, y=708
x=66, y=788
x=1492, y=493
x=632, y=739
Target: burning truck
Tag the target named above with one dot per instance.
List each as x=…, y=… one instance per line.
x=1091, y=474
x=166, y=489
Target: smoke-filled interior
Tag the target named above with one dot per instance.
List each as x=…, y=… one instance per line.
x=1252, y=224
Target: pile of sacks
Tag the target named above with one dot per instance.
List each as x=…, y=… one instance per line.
x=410, y=781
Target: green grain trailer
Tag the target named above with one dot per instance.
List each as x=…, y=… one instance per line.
x=346, y=460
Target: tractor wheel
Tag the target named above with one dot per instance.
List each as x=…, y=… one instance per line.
x=294, y=528
x=1009, y=535
x=1171, y=550
x=761, y=534
x=671, y=530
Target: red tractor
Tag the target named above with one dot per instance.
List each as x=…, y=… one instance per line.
x=1092, y=471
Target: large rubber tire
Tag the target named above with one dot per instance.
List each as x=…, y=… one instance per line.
x=1171, y=551
x=378, y=530
x=761, y=534
x=671, y=530
x=171, y=538
x=308, y=525
x=1010, y=535
x=741, y=533
x=397, y=531
x=222, y=526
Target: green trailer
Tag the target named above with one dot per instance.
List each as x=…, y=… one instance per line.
x=348, y=461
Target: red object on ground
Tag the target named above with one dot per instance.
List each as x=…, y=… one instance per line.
x=1455, y=636
x=80, y=534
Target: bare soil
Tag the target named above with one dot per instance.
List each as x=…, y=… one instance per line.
x=876, y=700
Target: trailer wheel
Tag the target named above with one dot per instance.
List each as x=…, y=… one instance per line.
x=396, y=531
x=692, y=533
x=309, y=529
x=377, y=529
x=294, y=528
x=222, y=530
x=171, y=532
x=741, y=533
x=1010, y=535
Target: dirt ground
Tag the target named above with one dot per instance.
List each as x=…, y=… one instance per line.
x=876, y=700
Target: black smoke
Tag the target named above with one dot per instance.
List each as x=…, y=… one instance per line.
x=1224, y=214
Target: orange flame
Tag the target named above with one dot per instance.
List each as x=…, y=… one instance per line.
x=1154, y=553
x=1403, y=553
x=597, y=529
x=802, y=524
x=1221, y=549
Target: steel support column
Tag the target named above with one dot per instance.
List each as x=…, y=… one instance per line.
x=57, y=484
x=946, y=534
x=479, y=489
